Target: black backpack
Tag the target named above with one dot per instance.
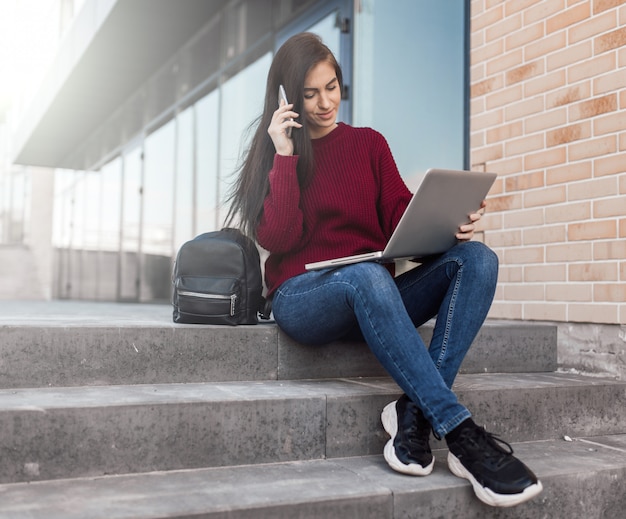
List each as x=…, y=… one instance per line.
x=217, y=280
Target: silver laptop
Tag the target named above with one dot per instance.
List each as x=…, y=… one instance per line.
x=442, y=203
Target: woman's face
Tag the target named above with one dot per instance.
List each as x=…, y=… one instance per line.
x=322, y=96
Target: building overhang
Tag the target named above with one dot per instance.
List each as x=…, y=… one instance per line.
x=111, y=49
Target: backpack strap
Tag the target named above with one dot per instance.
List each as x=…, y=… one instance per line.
x=265, y=308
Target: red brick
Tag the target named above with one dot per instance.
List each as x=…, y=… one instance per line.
x=592, y=27
x=545, y=46
x=485, y=19
x=518, y=5
x=524, y=72
x=504, y=97
x=609, y=124
x=505, y=62
x=504, y=238
x=525, y=36
x=534, y=273
x=592, y=148
x=592, y=313
x=524, y=145
x=591, y=68
x=610, y=292
x=543, y=10
x=503, y=27
x=545, y=159
x=568, y=95
x=542, y=197
x=596, y=188
x=607, y=207
x=544, y=120
x=610, y=41
x=542, y=84
x=592, y=230
x=569, y=173
x=568, y=17
x=524, y=218
x=577, y=251
x=544, y=234
x=567, y=134
x=603, y=5
x=609, y=82
x=523, y=108
x=487, y=154
x=545, y=311
x=505, y=202
x=593, y=107
x=524, y=181
x=505, y=132
x=611, y=249
x=571, y=212
x=569, y=292
x=524, y=292
x=569, y=55
x=597, y=271
x=486, y=86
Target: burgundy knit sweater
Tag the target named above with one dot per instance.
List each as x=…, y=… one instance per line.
x=352, y=205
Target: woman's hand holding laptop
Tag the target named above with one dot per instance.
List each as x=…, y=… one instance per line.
x=466, y=231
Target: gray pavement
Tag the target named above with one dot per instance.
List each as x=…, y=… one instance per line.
x=83, y=313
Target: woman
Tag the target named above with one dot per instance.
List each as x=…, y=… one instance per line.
x=311, y=189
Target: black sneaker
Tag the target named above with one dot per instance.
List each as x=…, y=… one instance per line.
x=408, y=450
x=498, y=477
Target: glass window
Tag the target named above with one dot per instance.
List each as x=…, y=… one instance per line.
x=410, y=80
x=131, y=217
x=183, y=202
x=207, y=146
x=110, y=216
x=158, y=213
x=243, y=96
x=158, y=187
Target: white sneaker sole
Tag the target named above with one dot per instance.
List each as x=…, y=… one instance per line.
x=389, y=417
x=487, y=496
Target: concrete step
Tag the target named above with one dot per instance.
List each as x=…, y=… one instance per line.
x=585, y=478
x=50, y=433
x=64, y=344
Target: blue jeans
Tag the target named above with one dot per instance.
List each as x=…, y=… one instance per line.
x=364, y=300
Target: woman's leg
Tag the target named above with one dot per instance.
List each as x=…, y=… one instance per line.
x=457, y=287
x=322, y=306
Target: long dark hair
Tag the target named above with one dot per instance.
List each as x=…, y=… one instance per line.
x=290, y=65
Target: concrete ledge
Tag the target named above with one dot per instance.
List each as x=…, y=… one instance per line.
x=66, y=344
x=579, y=482
x=92, y=431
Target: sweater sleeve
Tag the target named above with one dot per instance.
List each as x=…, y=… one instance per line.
x=394, y=194
x=281, y=224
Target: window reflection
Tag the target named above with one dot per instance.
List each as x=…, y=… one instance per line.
x=207, y=146
x=184, y=188
x=242, y=102
x=413, y=95
x=131, y=217
x=110, y=216
x=158, y=213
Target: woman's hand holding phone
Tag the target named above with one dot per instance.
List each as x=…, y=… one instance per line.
x=282, y=122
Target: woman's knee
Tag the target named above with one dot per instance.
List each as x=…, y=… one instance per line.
x=366, y=276
x=480, y=258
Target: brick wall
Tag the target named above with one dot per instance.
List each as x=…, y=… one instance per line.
x=548, y=114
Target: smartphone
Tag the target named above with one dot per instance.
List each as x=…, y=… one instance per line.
x=283, y=96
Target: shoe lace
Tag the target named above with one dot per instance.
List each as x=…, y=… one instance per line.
x=418, y=433
x=492, y=446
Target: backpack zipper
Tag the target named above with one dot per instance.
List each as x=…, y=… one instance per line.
x=232, y=297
